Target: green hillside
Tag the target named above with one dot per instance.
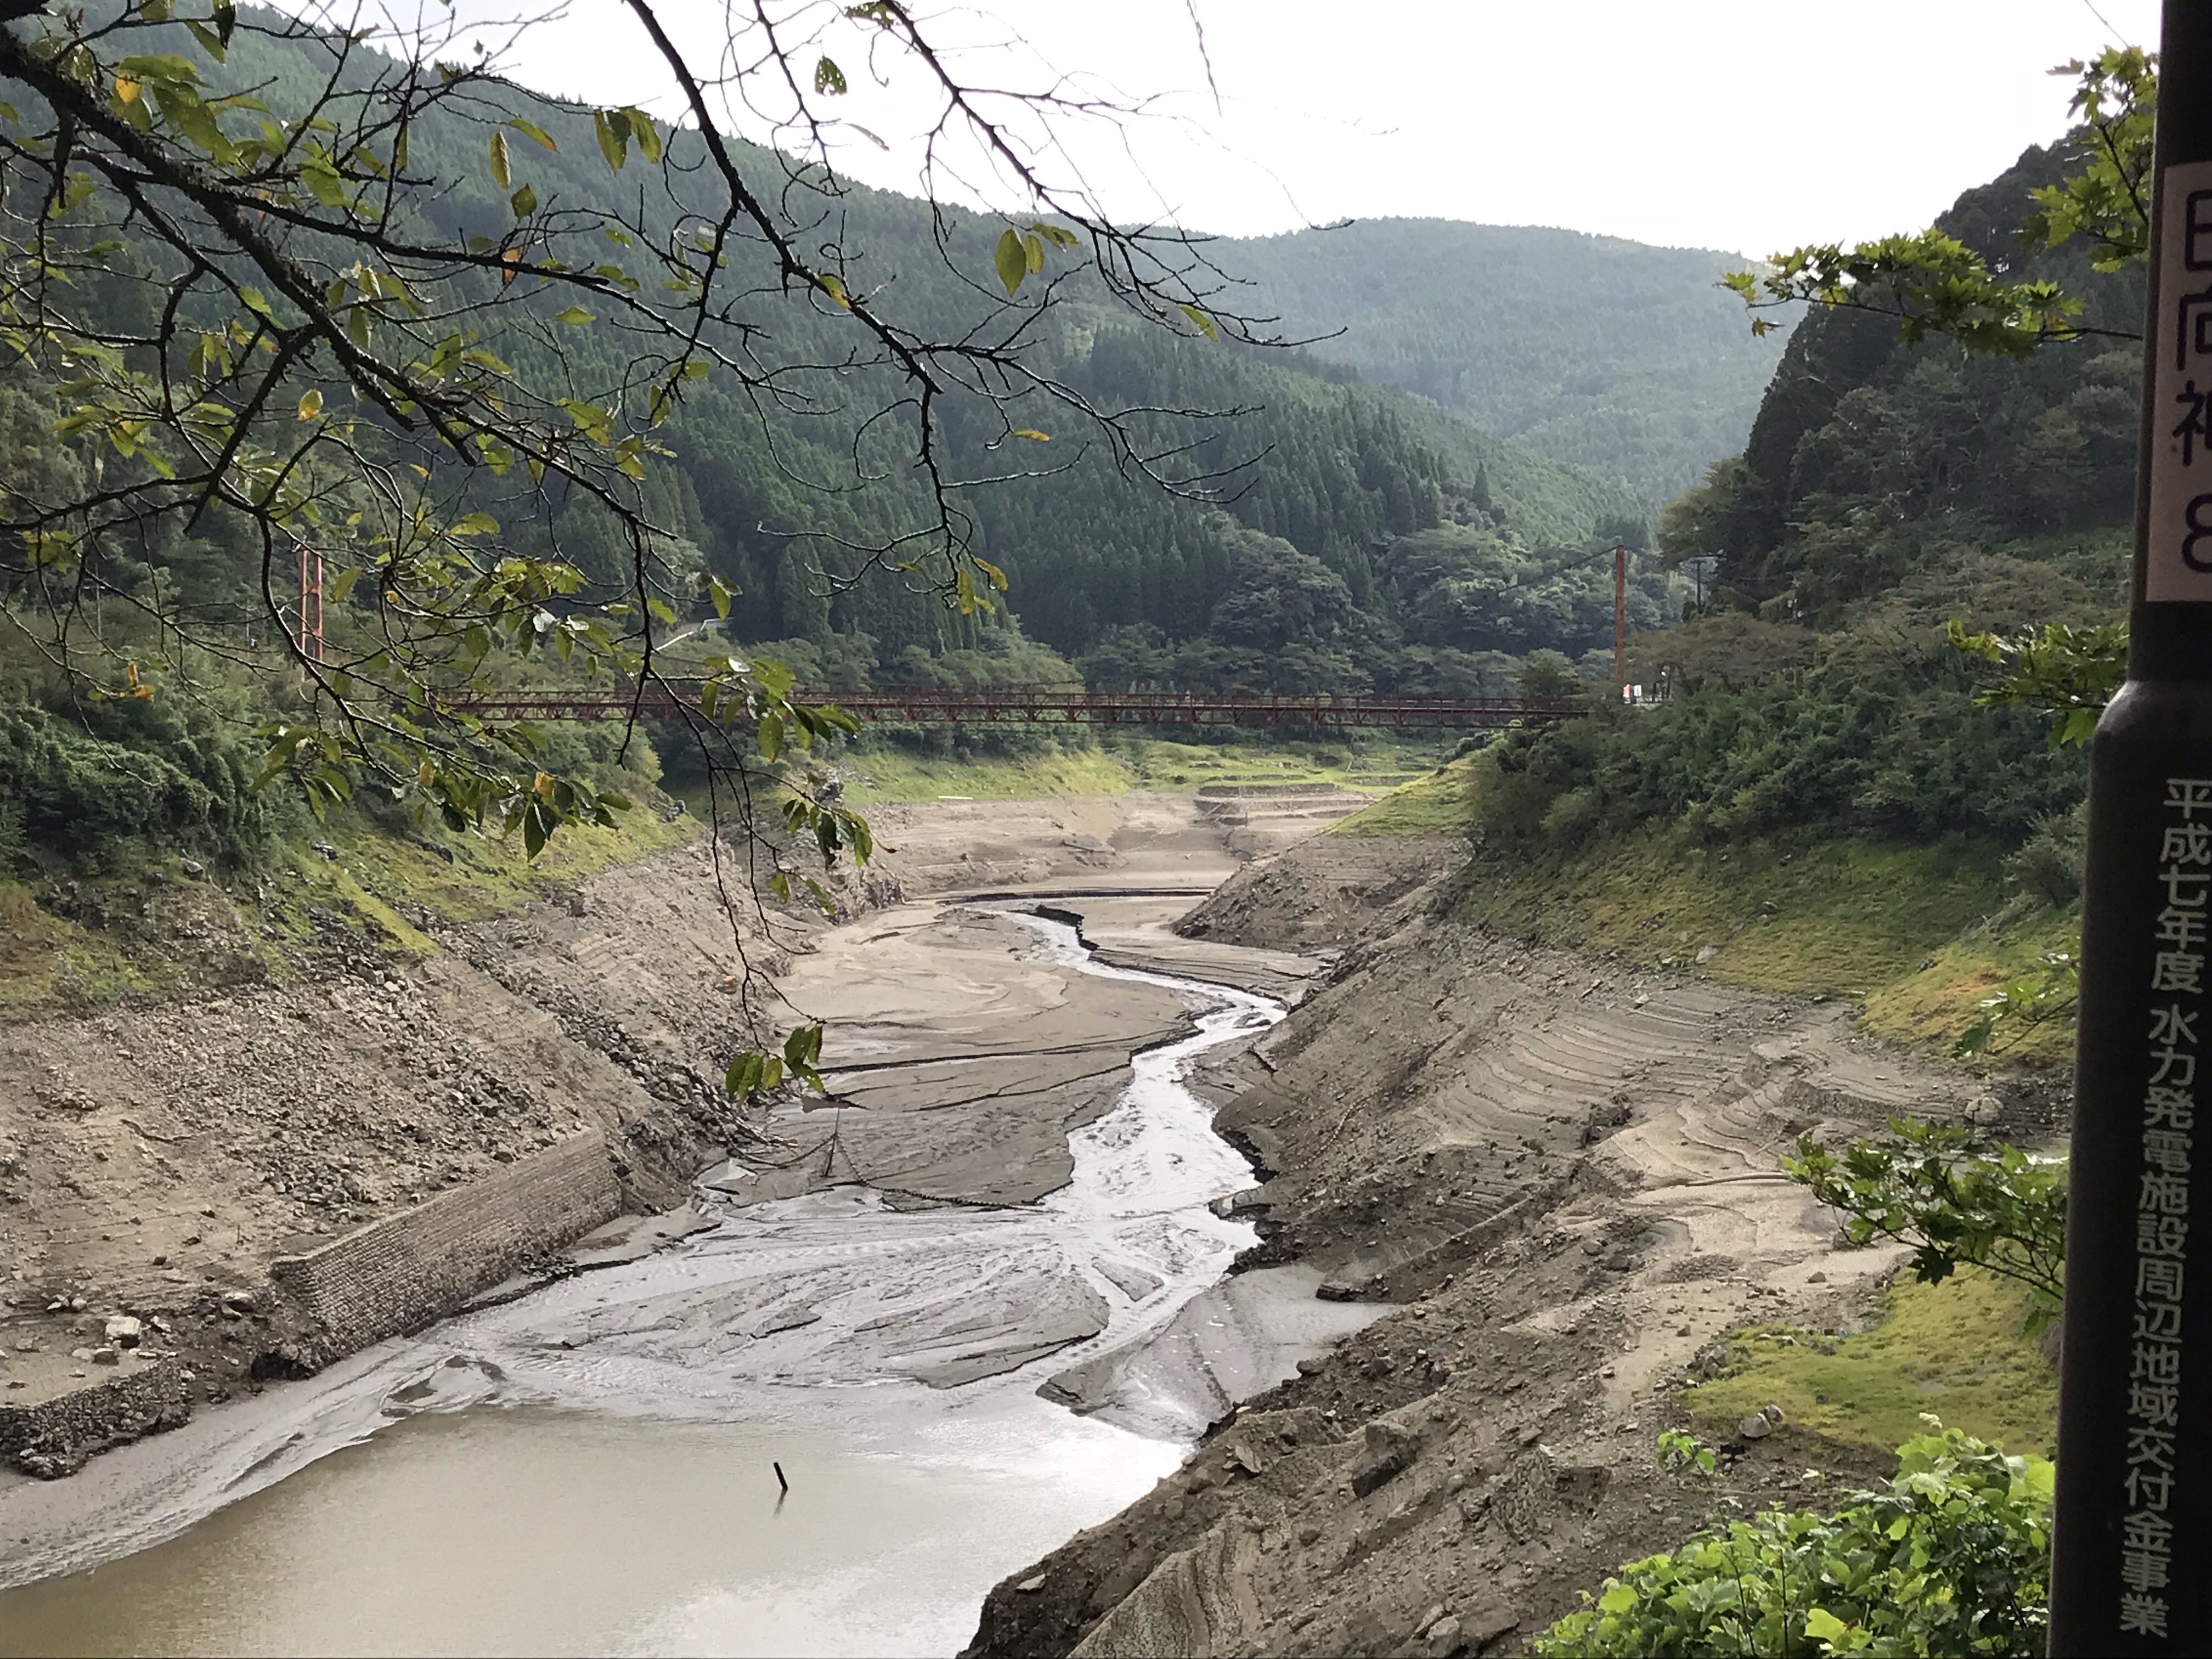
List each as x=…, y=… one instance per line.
x=1627, y=359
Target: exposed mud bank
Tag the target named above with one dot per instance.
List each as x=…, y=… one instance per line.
x=1562, y=1172
x=156, y=1160
x=835, y=1311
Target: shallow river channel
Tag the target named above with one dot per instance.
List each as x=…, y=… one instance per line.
x=589, y=1469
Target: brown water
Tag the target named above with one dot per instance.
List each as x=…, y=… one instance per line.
x=532, y=1531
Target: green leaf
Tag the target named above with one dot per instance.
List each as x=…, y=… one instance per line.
x=499, y=170
x=1033, y=253
x=1824, y=1626
x=829, y=79
x=575, y=314
x=613, y=145
x=771, y=736
x=524, y=202
x=530, y=130
x=1619, y=1599
x=310, y=404
x=1200, y=321
x=645, y=132
x=1012, y=261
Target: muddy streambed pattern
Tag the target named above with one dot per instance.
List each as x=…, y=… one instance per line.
x=625, y=1501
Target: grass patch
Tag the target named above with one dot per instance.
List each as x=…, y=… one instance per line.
x=1439, y=804
x=49, y=962
x=380, y=875
x=1375, y=761
x=1940, y=999
x=1842, y=917
x=1954, y=1349
x=144, y=931
x=893, y=774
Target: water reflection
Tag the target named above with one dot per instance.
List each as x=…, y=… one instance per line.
x=530, y=1531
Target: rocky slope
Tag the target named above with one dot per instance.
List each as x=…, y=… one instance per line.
x=1562, y=1171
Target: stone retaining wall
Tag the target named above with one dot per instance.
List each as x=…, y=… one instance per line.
x=56, y=1437
x=401, y=1273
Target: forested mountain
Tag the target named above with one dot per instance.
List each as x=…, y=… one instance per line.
x=1888, y=488
x=1876, y=463
x=1627, y=359
x=1350, y=535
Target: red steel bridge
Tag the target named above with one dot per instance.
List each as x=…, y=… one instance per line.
x=1021, y=705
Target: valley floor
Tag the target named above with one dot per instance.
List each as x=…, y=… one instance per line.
x=1557, y=1170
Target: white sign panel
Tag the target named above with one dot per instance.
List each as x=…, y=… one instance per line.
x=2181, y=430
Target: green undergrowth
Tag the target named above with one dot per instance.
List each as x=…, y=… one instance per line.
x=888, y=771
x=1839, y=917
x=1955, y=1349
x=147, y=928
x=1916, y=935
x=1939, y=998
x=382, y=875
x=1372, y=761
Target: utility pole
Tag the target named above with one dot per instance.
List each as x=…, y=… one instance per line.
x=309, y=639
x=1619, y=618
x=2134, y=1526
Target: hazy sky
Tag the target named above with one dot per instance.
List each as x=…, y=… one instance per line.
x=1695, y=123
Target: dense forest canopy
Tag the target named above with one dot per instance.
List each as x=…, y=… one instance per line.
x=1898, y=497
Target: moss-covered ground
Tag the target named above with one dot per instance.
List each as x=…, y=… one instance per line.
x=1957, y=1349
x=147, y=928
x=889, y=773
x=1437, y=803
x=1916, y=935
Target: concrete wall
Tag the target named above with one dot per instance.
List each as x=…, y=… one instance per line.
x=401, y=1273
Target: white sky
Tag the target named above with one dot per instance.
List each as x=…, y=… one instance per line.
x=1693, y=123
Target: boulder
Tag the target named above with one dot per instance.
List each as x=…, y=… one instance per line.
x=1388, y=1450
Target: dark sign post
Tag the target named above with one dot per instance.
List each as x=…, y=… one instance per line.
x=2131, y=1569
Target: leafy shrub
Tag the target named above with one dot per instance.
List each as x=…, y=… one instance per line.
x=1931, y=1186
x=127, y=770
x=1899, y=750
x=1953, y=1559
x=1548, y=674
x=2049, y=862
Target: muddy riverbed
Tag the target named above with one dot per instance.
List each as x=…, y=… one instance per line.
x=592, y=1468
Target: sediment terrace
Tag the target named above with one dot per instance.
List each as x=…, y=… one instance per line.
x=1562, y=1172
